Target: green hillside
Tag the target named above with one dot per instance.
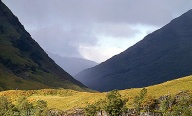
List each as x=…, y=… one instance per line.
x=65, y=99
x=23, y=63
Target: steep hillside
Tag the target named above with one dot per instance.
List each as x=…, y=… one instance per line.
x=23, y=63
x=161, y=56
x=72, y=65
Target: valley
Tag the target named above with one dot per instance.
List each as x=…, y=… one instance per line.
x=69, y=100
x=151, y=78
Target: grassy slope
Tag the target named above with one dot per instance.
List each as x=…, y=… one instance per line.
x=23, y=61
x=10, y=81
x=66, y=99
x=7, y=51
x=170, y=87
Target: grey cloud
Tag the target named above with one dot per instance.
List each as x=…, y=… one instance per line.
x=83, y=11
x=64, y=25
x=63, y=40
x=115, y=30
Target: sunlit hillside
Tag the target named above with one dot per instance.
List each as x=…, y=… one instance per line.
x=64, y=99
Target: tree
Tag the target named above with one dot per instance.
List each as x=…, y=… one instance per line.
x=183, y=107
x=114, y=105
x=137, y=104
x=41, y=104
x=100, y=105
x=166, y=104
x=148, y=104
x=24, y=107
x=90, y=110
x=143, y=94
x=41, y=108
x=177, y=106
x=139, y=99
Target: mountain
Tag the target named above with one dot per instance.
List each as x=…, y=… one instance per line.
x=23, y=63
x=72, y=65
x=161, y=56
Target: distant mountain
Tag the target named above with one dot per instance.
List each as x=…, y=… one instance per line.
x=162, y=55
x=23, y=63
x=72, y=65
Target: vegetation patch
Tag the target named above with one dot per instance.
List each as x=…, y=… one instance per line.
x=138, y=100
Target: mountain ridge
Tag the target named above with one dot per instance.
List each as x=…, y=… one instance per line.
x=23, y=58
x=71, y=64
x=166, y=50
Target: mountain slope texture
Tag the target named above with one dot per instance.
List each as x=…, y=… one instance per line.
x=23, y=63
x=161, y=56
x=72, y=65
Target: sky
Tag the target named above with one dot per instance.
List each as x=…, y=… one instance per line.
x=93, y=29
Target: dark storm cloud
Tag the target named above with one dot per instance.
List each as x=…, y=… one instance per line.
x=62, y=26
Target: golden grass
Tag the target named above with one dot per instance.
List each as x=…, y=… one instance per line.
x=170, y=87
x=65, y=99
x=79, y=100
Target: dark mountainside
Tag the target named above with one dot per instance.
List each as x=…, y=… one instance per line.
x=161, y=56
x=23, y=63
x=72, y=65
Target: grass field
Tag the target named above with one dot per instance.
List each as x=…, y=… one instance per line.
x=65, y=99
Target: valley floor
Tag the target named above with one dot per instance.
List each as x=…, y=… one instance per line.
x=70, y=100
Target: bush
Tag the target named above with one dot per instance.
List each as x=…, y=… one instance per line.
x=115, y=105
x=90, y=110
x=41, y=108
x=6, y=108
